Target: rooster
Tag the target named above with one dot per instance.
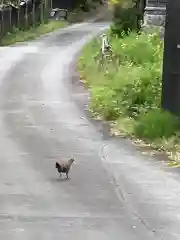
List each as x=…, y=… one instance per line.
x=64, y=167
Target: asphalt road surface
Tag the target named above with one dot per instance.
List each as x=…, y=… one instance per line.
x=113, y=192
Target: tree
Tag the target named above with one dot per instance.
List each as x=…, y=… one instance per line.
x=126, y=15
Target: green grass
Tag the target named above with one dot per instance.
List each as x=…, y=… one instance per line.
x=32, y=33
x=127, y=91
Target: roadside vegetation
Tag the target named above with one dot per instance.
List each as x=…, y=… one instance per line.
x=81, y=10
x=126, y=91
x=85, y=10
x=32, y=33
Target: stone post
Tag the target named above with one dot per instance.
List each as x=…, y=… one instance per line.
x=155, y=11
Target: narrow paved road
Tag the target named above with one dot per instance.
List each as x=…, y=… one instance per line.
x=111, y=194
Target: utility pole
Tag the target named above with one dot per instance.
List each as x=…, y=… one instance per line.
x=171, y=60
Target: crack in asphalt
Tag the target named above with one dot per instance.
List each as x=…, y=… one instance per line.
x=49, y=218
x=121, y=195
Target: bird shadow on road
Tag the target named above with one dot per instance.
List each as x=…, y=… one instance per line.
x=60, y=179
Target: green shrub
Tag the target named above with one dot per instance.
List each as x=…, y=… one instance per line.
x=156, y=124
x=134, y=76
x=128, y=90
x=125, y=20
x=104, y=102
x=138, y=49
x=126, y=17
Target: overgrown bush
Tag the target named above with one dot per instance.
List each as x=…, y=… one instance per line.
x=104, y=102
x=128, y=89
x=126, y=16
x=124, y=20
x=156, y=123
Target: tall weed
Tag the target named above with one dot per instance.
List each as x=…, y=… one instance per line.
x=130, y=86
x=156, y=123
